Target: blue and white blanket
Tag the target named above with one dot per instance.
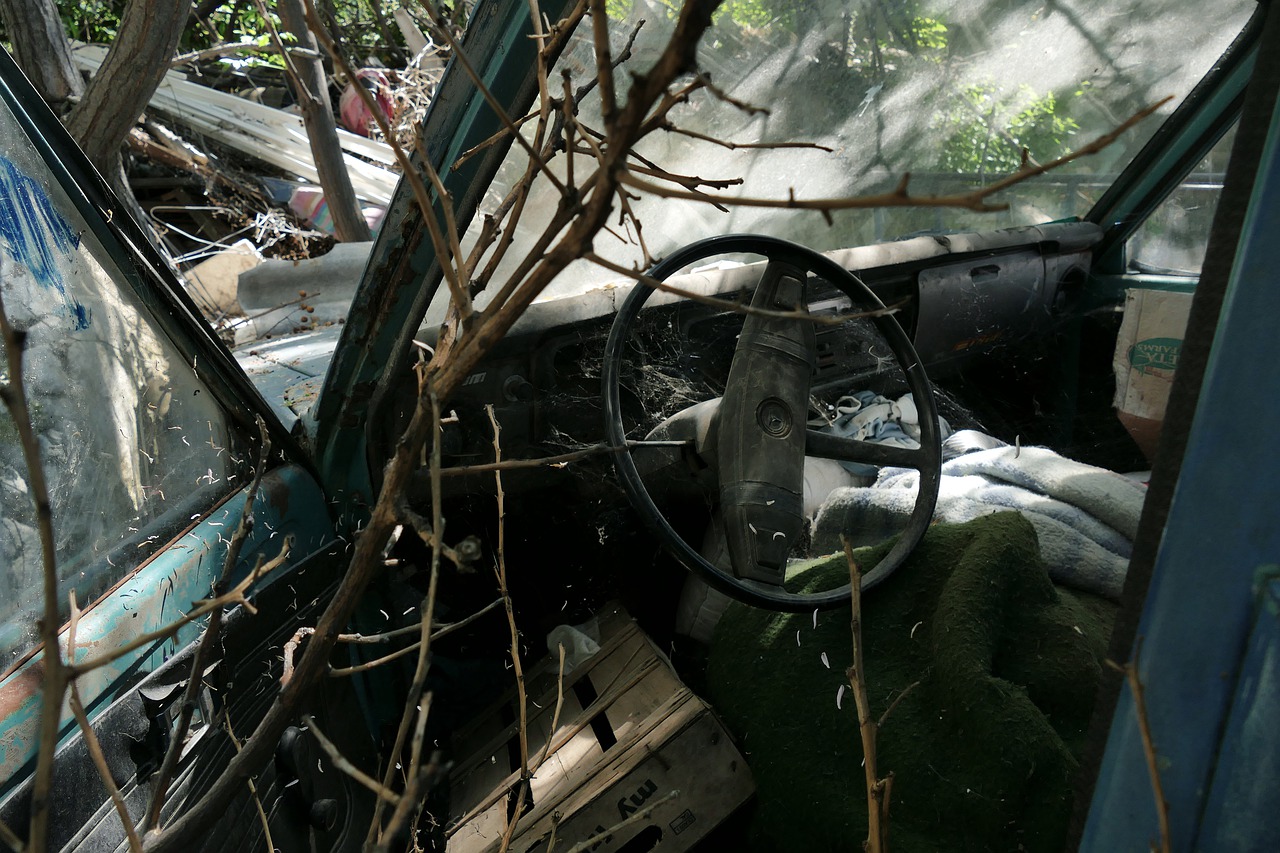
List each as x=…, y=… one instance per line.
x=1085, y=517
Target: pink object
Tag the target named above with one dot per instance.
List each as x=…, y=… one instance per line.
x=310, y=205
x=355, y=115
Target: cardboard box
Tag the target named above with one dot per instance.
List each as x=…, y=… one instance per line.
x=632, y=743
x=1147, y=353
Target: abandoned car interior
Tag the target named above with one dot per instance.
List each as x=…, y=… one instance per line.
x=773, y=522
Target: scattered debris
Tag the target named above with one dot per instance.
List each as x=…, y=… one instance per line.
x=222, y=165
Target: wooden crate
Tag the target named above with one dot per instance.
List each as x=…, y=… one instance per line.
x=629, y=735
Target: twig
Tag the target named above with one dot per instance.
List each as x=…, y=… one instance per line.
x=460, y=56
x=290, y=649
x=374, y=835
x=887, y=711
x=236, y=47
x=414, y=777
x=643, y=814
x=91, y=739
x=877, y=789
x=735, y=146
x=445, y=630
x=899, y=197
x=1130, y=671
x=14, y=395
x=558, y=461
x=452, y=275
x=604, y=63
x=441, y=631
x=236, y=595
x=749, y=109
x=344, y=764
x=205, y=650
x=253, y=789
x=522, y=699
x=739, y=307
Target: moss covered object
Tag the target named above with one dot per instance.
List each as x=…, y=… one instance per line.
x=982, y=750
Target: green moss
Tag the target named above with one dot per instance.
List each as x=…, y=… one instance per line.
x=982, y=750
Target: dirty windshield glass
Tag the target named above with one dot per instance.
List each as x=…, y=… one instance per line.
x=952, y=93
x=132, y=444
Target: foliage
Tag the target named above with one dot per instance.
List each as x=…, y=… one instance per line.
x=986, y=128
x=99, y=21
x=929, y=33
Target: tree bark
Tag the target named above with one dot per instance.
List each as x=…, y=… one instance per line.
x=118, y=93
x=322, y=131
x=41, y=49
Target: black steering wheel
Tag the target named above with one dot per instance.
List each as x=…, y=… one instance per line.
x=756, y=437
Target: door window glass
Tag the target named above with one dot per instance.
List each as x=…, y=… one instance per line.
x=133, y=444
x=1173, y=239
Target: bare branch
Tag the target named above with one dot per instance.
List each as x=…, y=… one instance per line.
x=735, y=146
x=899, y=197
x=14, y=395
x=237, y=47
x=604, y=63
x=91, y=740
x=460, y=56
x=253, y=788
x=375, y=833
x=740, y=307
x=209, y=641
x=444, y=631
x=341, y=762
x=558, y=461
x=877, y=789
x=235, y=595
x=522, y=699
x=452, y=275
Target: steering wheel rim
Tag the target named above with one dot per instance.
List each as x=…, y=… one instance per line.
x=755, y=592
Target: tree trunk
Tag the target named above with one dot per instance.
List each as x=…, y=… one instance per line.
x=40, y=48
x=322, y=131
x=118, y=93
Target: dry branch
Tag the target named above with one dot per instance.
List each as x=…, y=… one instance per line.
x=878, y=789
x=14, y=395
x=209, y=641
x=91, y=740
x=344, y=764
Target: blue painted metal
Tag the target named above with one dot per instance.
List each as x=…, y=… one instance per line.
x=157, y=594
x=1246, y=785
x=1221, y=531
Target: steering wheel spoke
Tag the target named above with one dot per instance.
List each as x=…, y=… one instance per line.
x=826, y=445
